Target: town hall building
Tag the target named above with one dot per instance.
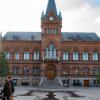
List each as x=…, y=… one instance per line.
x=52, y=54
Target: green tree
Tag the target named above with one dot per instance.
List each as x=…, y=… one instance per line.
x=3, y=65
x=98, y=78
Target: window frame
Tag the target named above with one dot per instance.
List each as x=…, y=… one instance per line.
x=85, y=56
x=75, y=56
x=95, y=56
x=26, y=56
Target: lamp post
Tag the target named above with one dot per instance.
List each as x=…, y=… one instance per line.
x=26, y=70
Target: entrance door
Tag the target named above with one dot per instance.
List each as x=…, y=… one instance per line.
x=51, y=72
x=86, y=83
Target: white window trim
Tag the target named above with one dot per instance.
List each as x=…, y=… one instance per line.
x=26, y=56
x=95, y=56
x=65, y=56
x=85, y=56
x=75, y=56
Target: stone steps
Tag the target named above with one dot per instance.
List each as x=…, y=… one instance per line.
x=51, y=84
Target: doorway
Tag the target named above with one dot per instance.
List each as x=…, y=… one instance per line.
x=51, y=72
x=86, y=83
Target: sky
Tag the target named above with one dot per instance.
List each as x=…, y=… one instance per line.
x=24, y=15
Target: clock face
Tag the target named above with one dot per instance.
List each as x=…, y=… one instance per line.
x=51, y=18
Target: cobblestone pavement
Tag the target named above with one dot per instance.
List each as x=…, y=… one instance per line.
x=73, y=93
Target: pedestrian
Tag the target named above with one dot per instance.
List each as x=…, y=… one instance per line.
x=6, y=91
x=11, y=87
x=10, y=79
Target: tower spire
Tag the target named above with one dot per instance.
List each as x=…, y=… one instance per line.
x=51, y=7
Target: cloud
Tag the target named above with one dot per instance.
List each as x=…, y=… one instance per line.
x=97, y=20
x=70, y=4
x=85, y=6
x=77, y=4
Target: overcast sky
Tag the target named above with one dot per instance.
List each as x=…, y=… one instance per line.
x=24, y=15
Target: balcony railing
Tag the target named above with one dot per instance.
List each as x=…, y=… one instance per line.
x=51, y=59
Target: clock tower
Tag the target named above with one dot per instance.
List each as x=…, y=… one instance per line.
x=51, y=24
x=51, y=21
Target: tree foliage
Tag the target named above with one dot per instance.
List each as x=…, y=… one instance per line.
x=98, y=77
x=3, y=65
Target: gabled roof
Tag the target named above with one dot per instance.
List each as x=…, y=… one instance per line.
x=51, y=7
x=66, y=36
x=79, y=36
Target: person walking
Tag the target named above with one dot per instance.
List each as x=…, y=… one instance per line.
x=11, y=87
x=6, y=91
x=10, y=79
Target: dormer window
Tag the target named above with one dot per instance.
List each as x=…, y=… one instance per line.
x=32, y=37
x=15, y=38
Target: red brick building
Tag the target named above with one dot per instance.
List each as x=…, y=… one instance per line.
x=53, y=54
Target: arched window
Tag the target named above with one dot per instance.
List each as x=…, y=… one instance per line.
x=95, y=70
x=65, y=71
x=16, y=55
x=75, y=55
x=85, y=56
x=26, y=55
x=77, y=70
x=36, y=71
x=26, y=70
x=65, y=56
x=36, y=55
x=7, y=55
x=95, y=56
x=15, y=70
x=51, y=51
x=86, y=70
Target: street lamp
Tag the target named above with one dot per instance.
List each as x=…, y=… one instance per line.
x=26, y=80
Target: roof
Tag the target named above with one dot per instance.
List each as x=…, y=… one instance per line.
x=51, y=7
x=22, y=36
x=66, y=36
x=80, y=36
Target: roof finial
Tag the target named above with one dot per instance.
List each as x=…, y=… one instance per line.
x=60, y=15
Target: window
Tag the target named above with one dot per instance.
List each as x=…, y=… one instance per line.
x=49, y=31
x=36, y=55
x=86, y=70
x=26, y=70
x=65, y=56
x=98, y=81
x=36, y=70
x=77, y=70
x=55, y=31
x=7, y=55
x=75, y=56
x=16, y=56
x=52, y=31
x=85, y=55
x=74, y=82
x=51, y=51
x=95, y=56
x=95, y=70
x=26, y=55
x=65, y=71
x=15, y=69
x=94, y=81
x=15, y=38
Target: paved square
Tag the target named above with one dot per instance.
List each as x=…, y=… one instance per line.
x=74, y=93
